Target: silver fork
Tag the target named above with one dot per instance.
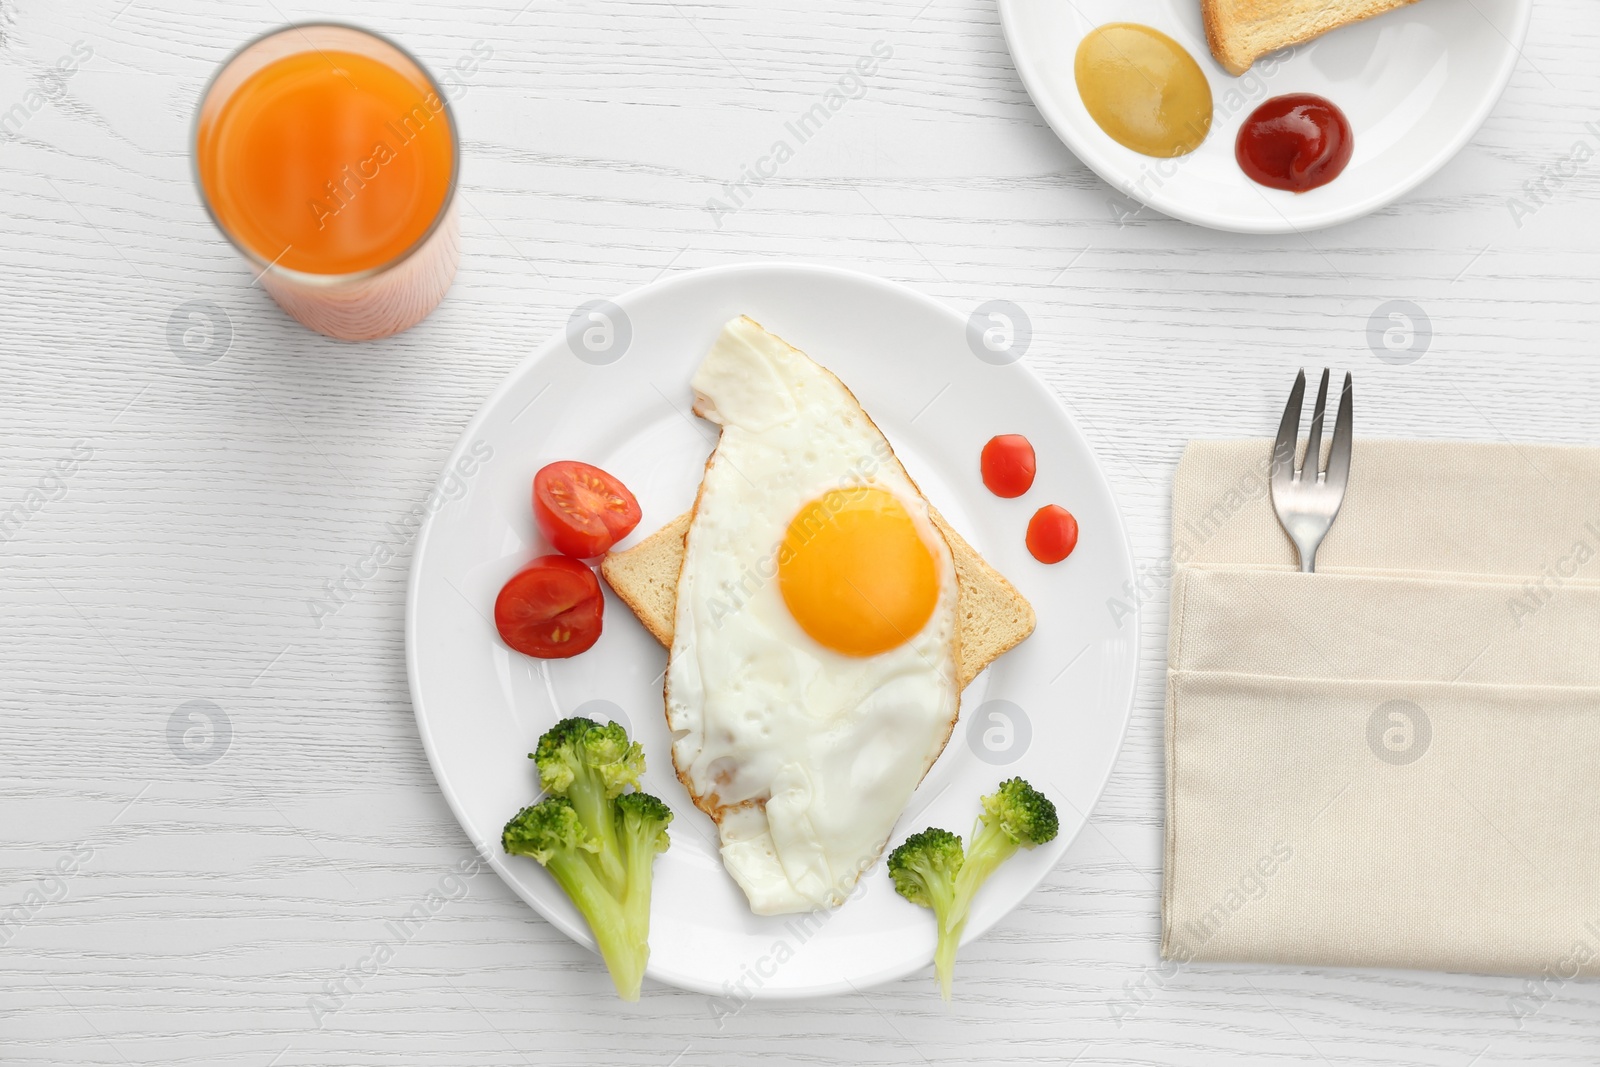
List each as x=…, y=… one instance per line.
x=1306, y=500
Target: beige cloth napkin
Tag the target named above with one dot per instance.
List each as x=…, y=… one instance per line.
x=1395, y=761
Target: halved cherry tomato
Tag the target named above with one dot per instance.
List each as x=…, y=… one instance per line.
x=1052, y=534
x=582, y=509
x=550, y=609
x=1008, y=465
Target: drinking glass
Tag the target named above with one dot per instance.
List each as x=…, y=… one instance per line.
x=296, y=142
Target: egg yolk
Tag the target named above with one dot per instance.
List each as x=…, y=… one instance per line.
x=855, y=573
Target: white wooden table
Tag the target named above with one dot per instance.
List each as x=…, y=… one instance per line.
x=180, y=514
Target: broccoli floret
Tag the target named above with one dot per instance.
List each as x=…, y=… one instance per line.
x=642, y=832
x=924, y=870
x=599, y=842
x=931, y=870
x=552, y=833
x=591, y=765
x=576, y=748
x=547, y=830
x=1016, y=815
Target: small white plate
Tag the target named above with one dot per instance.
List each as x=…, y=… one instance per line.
x=624, y=405
x=1415, y=83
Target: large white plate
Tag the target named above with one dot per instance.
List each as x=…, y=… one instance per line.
x=1415, y=83
x=480, y=707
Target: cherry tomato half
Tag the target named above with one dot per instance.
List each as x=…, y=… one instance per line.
x=1008, y=465
x=1052, y=534
x=582, y=509
x=550, y=609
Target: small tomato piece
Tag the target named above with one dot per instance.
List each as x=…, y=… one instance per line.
x=550, y=609
x=1008, y=465
x=582, y=509
x=1052, y=534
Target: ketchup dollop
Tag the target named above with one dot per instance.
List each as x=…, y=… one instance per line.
x=1295, y=142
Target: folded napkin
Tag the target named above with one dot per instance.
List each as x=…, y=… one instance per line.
x=1394, y=761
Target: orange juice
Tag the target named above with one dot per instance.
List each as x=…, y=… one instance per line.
x=328, y=156
x=328, y=162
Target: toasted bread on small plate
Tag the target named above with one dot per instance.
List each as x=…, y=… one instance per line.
x=1242, y=31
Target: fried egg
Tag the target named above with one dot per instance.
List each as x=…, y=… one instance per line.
x=812, y=675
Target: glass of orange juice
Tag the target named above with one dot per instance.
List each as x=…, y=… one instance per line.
x=328, y=156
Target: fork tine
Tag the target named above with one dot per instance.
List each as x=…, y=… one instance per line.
x=1283, y=448
x=1313, y=461
x=1343, y=430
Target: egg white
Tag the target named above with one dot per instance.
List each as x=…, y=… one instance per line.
x=808, y=756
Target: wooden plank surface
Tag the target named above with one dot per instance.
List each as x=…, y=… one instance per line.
x=209, y=912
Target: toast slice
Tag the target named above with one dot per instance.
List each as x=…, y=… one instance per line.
x=1242, y=31
x=992, y=616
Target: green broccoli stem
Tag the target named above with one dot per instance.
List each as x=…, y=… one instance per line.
x=597, y=812
x=941, y=891
x=991, y=846
x=944, y=956
x=639, y=856
x=624, y=955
